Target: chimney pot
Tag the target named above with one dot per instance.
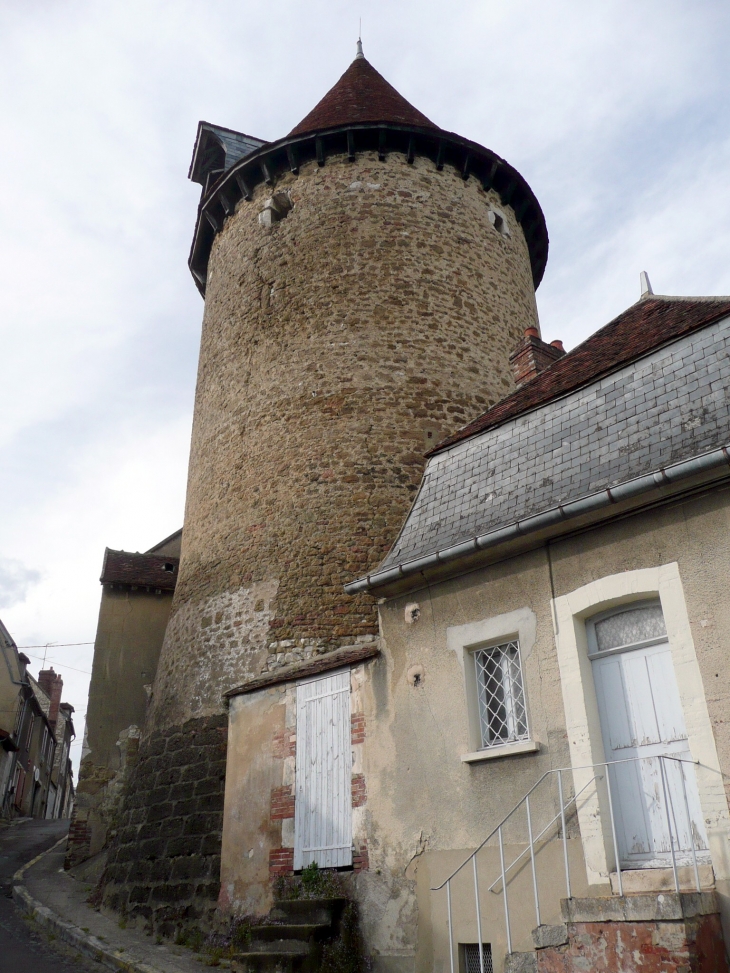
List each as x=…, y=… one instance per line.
x=557, y=344
x=532, y=332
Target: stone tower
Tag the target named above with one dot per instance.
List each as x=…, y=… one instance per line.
x=365, y=280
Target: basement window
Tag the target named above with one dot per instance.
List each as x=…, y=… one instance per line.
x=470, y=958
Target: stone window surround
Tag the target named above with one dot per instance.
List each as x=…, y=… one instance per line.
x=570, y=613
x=464, y=640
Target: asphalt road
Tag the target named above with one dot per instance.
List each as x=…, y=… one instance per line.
x=23, y=948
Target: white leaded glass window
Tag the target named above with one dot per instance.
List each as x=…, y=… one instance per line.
x=631, y=626
x=471, y=958
x=502, y=711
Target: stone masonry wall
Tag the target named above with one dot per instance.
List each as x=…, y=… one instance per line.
x=164, y=861
x=338, y=345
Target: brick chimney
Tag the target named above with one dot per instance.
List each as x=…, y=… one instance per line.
x=532, y=355
x=52, y=685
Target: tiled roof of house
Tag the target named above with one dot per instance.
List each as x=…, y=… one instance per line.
x=570, y=445
x=361, y=95
x=648, y=324
x=141, y=570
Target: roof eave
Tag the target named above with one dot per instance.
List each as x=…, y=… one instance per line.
x=469, y=158
x=518, y=536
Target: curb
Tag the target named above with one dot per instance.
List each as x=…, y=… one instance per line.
x=66, y=931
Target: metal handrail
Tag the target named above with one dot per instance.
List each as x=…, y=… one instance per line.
x=532, y=840
x=571, y=800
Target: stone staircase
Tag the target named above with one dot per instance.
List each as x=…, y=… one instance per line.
x=291, y=940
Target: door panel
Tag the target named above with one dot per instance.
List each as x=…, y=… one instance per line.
x=665, y=694
x=641, y=717
x=323, y=807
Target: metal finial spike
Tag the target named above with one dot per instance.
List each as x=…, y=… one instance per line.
x=359, y=49
x=646, y=290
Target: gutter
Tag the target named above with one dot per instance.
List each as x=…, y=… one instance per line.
x=562, y=513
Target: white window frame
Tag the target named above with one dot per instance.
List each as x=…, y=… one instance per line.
x=465, y=641
x=513, y=691
x=572, y=614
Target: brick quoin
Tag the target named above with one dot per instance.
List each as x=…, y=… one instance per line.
x=285, y=745
x=360, y=860
x=281, y=862
x=357, y=728
x=282, y=803
x=359, y=790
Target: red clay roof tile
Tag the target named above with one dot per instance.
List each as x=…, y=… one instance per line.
x=142, y=570
x=647, y=324
x=361, y=95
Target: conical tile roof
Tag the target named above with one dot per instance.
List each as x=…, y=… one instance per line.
x=361, y=95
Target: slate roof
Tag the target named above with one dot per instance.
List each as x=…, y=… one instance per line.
x=645, y=325
x=141, y=570
x=573, y=441
x=361, y=95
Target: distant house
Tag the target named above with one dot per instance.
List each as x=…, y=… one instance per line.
x=136, y=597
x=59, y=716
x=36, y=729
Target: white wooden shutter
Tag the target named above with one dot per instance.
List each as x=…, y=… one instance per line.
x=323, y=809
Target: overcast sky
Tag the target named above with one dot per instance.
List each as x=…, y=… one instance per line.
x=616, y=112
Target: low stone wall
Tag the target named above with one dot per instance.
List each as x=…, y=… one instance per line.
x=164, y=861
x=666, y=933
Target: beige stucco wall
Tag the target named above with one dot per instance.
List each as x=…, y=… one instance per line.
x=129, y=636
x=426, y=808
x=421, y=796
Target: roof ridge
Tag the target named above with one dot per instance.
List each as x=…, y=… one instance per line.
x=637, y=331
x=361, y=94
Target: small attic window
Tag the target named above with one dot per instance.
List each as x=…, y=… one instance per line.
x=168, y=567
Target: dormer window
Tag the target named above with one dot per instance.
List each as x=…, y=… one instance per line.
x=168, y=567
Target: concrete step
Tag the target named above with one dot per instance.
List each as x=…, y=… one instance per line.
x=268, y=963
x=305, y=932
x=282, y=947
x=308, y=911
x=636, y=881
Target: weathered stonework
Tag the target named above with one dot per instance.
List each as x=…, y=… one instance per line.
x=164, y=860
x=382, y=309
x=338, y=345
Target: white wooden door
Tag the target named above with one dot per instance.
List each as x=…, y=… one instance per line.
x=641, y=716
x=323, y=809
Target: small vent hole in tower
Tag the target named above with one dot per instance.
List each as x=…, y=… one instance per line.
x=499, y=221
x=275, y=209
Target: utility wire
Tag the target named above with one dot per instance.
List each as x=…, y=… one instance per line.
x=62, y=664
x=52, y=645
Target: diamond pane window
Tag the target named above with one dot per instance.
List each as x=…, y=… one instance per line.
x=502, y=712
x=471, y=958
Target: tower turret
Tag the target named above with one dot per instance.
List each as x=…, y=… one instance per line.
x=365, y=280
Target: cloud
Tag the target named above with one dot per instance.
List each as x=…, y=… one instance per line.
x=15, y=581
x=616, y=113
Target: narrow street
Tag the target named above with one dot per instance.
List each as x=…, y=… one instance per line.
x=24, y=949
